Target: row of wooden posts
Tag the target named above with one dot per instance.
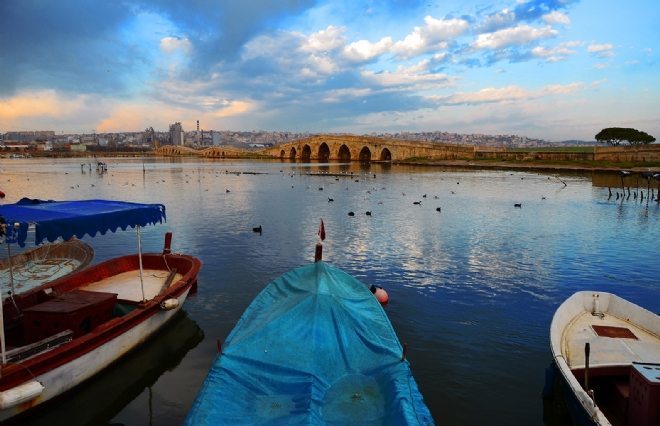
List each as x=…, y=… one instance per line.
x=650, y=192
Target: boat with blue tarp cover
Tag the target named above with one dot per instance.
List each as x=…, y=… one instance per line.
x=314, y=347
x=61, y=333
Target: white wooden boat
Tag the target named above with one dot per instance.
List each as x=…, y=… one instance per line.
x=47, y=262
x=62, y=333
x=607, y=351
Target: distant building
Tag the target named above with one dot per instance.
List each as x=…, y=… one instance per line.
x=216, y=138
x=176, y=134
x=29, y=136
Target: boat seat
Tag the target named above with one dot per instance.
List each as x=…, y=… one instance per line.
x=24, y=352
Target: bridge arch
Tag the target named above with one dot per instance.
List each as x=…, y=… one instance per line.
x=385, y=155
x=306, y=154
x=365, y=154
x=324, y=153
x=292, y=153
x=344, y=153
x=281, y=153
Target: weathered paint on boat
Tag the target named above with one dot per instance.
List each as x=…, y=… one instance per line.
x=69, y=364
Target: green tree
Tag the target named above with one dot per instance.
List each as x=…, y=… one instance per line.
x=616, y=135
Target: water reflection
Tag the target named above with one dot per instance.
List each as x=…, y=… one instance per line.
x=472, y=287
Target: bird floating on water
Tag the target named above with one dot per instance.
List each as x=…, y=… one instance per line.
x=257, y=229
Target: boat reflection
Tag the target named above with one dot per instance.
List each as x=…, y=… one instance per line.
x=100, y=399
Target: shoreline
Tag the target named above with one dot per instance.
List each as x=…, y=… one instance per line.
x=466, y=164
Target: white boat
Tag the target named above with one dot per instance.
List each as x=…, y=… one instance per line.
x=56, y=336
x=607, y=351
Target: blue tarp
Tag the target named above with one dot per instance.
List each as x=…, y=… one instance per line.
x=314, y=347
x=65, y=219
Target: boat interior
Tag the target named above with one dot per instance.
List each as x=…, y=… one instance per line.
x=626, y=389
x=57, y=313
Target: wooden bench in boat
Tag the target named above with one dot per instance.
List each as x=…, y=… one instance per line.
x=127, y=284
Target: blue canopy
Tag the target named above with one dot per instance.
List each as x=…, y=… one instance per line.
x=54, y=219
x=314, y=347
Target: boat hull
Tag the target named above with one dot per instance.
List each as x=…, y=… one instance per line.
x=76, y=371
x=69, y=364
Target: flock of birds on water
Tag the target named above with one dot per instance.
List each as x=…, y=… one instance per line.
x=102, y=168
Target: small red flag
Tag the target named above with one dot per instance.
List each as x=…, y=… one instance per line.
x=322, y=231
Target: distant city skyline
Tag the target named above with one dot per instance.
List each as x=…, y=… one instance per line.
x=553, y=69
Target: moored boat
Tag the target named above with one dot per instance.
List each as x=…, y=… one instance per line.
x=314, y=347
x=607, y=351
x=47, y=262
x=62, y=333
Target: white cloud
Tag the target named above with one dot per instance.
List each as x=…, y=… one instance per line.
x=364, y=50
x=557, y=53
x=341, y=95
x=561, y=89
x=489, y=94
x=434, y=35
x=174, y=44
x=556, y=17
x=416, y=75
x=507, y=94
x=601, y=50
x=327, y=40
x=504, y=18
x=522, y=34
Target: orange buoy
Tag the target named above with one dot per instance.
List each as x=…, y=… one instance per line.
x=380, y=293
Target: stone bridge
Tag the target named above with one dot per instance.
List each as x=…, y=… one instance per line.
x=175, y=150
x=363, y=148
x=336, y=148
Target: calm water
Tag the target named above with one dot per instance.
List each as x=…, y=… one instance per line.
x=472, y=288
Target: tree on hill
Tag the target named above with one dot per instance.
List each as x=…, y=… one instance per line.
x=616, y=135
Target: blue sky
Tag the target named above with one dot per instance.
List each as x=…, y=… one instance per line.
x=554, y=69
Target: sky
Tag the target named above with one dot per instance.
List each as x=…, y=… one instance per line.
x=553, y=69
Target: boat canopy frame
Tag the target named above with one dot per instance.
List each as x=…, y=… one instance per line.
x=66, y=219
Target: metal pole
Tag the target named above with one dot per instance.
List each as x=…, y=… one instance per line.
x=2, y=325
x=11, y=269
x=140, y=259
x=2, y=334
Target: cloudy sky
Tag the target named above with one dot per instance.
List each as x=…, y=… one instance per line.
x=552, y=69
